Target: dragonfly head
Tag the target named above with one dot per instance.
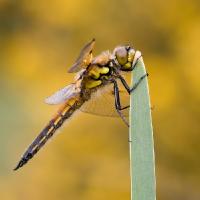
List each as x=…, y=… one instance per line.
x=124, y=56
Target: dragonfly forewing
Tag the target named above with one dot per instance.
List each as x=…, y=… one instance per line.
x=84, y=58
x=63, y=94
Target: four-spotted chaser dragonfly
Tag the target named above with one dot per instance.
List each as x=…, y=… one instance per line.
x=102, y=73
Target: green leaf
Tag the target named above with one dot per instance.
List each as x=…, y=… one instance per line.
x=142, y=163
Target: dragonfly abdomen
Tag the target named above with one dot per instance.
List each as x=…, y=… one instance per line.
x=63, y=114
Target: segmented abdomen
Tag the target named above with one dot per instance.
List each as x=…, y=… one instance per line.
x=65, y=112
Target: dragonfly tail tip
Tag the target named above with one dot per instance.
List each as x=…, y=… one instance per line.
x=21, y=163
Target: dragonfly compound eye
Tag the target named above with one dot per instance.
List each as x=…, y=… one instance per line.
x=121, y=55
x=131, y=55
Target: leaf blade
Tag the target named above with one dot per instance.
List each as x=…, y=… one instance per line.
x=142, y=161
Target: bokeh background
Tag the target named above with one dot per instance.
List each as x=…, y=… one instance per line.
x=89, y=158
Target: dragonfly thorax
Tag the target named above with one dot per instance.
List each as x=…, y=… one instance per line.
x=96, y=75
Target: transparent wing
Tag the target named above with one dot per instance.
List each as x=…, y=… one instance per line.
x=84, y=58
x=62, y=95
x=103, y=103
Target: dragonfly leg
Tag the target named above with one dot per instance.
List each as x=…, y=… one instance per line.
x=118, y=103
x=126, y=86
x=125, y=107
x=133, y=66
x=138, y=82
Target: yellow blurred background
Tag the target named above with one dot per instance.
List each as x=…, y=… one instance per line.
x=89, y=158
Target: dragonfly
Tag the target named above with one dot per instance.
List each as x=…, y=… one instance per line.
x=96, y=84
